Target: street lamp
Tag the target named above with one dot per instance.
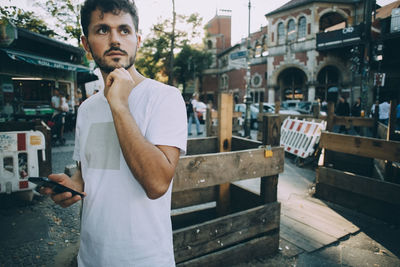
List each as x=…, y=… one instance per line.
x=247, y=98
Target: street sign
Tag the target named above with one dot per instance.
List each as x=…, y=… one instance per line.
x=239, y=54
x=379, y=79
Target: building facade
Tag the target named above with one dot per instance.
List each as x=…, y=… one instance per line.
x=308, y=48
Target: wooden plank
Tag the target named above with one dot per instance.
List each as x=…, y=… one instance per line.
x=257, y=247
x=225, y=105
x=361, y=146
x=202, y=145
x=300, y=240
x=353, y=121
x=241, y=143
x=271, y=130
x=315, y=220
x=289, y=249
x=213, y=169
x=314, y=237
x=299, y=203
x=388, y=192
x=376, y=208
x=193, y=197
x=212, y=235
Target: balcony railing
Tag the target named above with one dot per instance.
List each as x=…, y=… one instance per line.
x=340, y=38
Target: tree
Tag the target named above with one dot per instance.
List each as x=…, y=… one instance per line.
x=67, y=15
x=155, y=54
x=26, y=20
x=190, y=63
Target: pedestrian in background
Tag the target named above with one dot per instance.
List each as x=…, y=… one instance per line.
x=128, y=141
x=193, y=116
x=342, y=109
x=384, y=111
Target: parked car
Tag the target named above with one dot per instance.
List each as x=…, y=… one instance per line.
x=253, y=114
x=270, y=108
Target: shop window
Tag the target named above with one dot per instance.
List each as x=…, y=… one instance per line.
x=281, y=33
x=302, y=27
x=291, y=30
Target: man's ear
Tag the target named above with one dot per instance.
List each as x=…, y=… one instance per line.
x=139, y=40
x=85, y=43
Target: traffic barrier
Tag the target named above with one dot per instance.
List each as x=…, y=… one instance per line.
x=19, y=159
x=299, y=137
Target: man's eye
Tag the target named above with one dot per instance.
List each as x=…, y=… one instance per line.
x=125, y=31
x=102, y=30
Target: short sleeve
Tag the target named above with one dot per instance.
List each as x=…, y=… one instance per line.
x=76, y=156
x=168, y=122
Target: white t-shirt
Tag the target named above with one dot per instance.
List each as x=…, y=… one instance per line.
x=55, y=100
x=384, y=110
x=120, y=225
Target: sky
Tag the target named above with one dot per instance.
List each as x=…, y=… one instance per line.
x=151, y=11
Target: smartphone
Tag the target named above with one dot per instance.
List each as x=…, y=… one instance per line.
x=56, y=187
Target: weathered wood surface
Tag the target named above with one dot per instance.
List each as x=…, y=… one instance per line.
x=226, y=231
x=362, y=185
x=257, y=247
x=212, y=169
x=311, y=225
x=203, y=145
x=193, y=197
x=225, y=104
x=361, y=146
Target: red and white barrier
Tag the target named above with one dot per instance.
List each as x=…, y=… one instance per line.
x=19, y=159
x=299, y=137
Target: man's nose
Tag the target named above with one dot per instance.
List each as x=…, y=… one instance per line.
x=114, y=38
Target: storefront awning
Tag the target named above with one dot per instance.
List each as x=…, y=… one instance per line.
x=46, y=62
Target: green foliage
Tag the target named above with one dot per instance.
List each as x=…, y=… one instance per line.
x=26, y=20
x=67, y=15
x=190, y=63
x=153, y=56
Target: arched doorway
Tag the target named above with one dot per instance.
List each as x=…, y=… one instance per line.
x=331, y=19
x=292, y=83
x=328, y=77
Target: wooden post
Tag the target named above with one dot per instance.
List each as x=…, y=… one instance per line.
x=225, y=113
x=331, y=116
x=277, y=107
x=316, y=110
x=208, y=122
x=271, y=137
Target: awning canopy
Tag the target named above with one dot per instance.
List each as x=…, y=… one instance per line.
x=46, y=62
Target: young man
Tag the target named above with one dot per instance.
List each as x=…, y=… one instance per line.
x=128, y=140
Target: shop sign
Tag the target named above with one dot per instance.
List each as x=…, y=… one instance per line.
x=8, y=33
x=8, y=88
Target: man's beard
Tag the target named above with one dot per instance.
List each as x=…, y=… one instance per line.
x=106, y=67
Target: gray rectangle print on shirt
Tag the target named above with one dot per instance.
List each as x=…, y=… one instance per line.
x=102, y=150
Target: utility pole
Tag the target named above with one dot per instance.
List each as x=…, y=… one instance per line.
x=367, y=51
x=247, y=99
x=171, y=54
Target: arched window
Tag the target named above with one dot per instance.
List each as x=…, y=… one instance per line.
x=291, y=30
x=302, y=27
x=281, y=33
x=209, y=44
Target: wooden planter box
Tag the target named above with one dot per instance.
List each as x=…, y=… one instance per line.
x=342, y=185
x=210, y=230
